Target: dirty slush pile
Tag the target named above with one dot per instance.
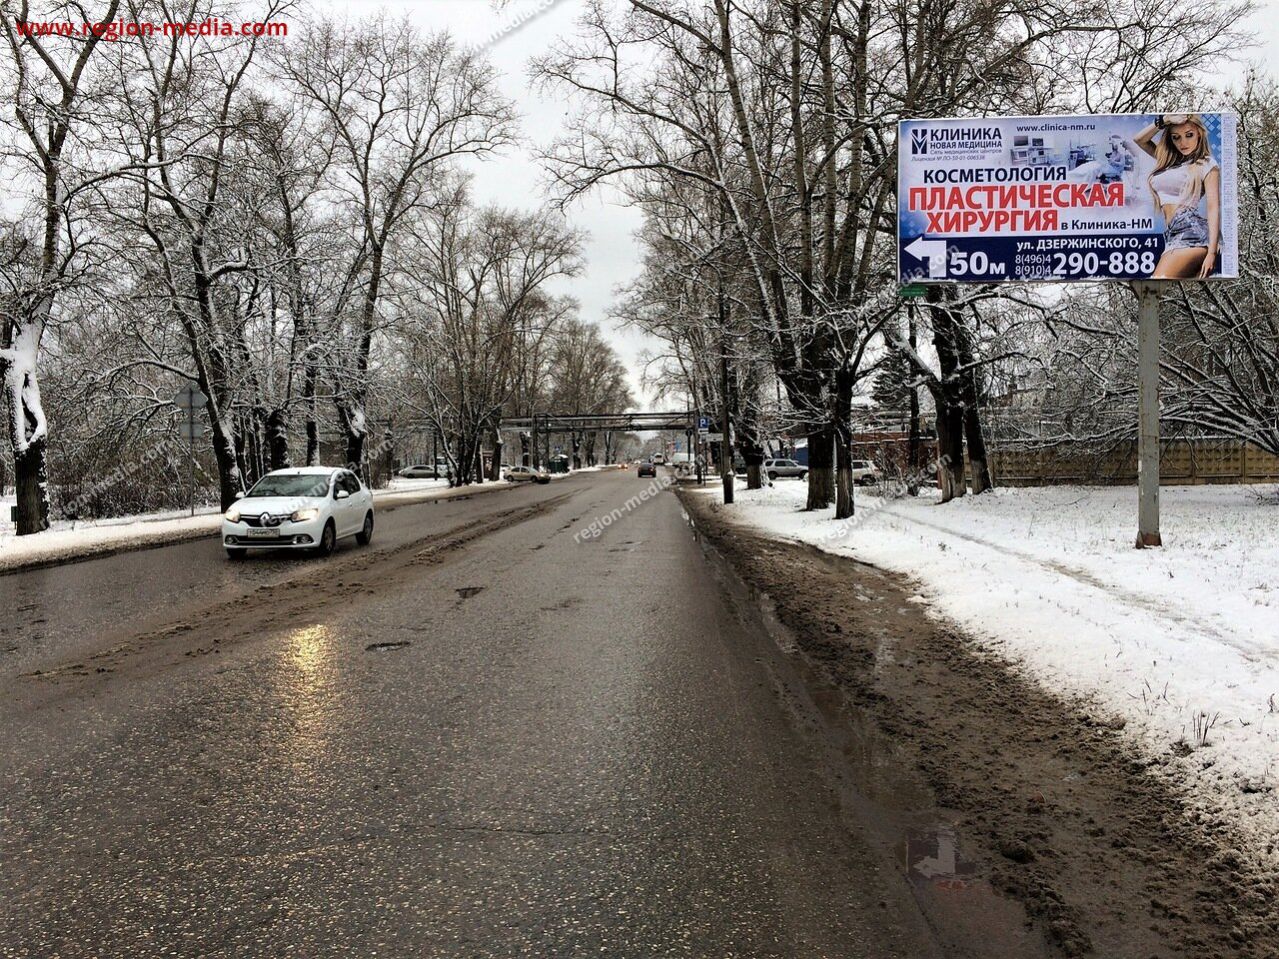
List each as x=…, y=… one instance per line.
x=1071, y=820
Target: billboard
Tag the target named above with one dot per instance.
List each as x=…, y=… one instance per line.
x=1052, y=199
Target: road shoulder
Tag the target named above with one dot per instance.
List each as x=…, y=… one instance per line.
x=1064, y=815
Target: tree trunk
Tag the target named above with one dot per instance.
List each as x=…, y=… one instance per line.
x=821, y=474
x=844, y=497
x=973, y=433
x=277, y=438
x=355, y=451
x=27, y=426
x=312, y=415
x=749, y=444
x=228, y=467
x=948, y=397
x=31, y=489
x=495, y=466
x=950, y=448
x=982, y=480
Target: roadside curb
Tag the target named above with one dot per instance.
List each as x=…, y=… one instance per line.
x=394, y=500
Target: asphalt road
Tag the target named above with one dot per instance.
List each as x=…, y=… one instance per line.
x=481, y=736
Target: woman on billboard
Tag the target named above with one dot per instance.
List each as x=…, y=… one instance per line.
x=1185, y=175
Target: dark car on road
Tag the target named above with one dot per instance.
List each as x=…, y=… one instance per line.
x=648, y=468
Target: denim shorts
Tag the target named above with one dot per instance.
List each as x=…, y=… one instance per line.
x=1188, y=228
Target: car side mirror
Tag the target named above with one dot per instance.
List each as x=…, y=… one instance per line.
x=342, y=494
x=239, y=494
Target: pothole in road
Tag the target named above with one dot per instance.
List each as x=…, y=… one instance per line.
x=383, y=647
x=466, y=592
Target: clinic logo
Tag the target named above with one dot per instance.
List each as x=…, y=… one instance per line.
x=918, y=142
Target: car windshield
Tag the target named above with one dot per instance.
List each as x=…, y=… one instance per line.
x=312, y=484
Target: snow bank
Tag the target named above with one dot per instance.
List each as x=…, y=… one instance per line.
x=1049, y=579
x=65, y=541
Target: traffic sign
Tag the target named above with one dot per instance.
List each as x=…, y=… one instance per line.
x=191, y=429
x=703, y=423
x=713, y=437
x=189, y=397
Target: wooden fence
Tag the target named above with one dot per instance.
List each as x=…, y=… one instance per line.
x=1181, y=461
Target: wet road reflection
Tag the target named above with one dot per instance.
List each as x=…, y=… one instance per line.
x=307, y=693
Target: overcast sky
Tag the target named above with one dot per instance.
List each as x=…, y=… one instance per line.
x=516, y=179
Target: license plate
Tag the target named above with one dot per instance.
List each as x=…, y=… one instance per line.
x=263, y=533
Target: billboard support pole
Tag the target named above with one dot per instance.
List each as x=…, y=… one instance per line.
x=1147, y=414
x=191, y=456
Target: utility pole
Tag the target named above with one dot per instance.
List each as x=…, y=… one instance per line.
x=725, y=447
x=1147, y=415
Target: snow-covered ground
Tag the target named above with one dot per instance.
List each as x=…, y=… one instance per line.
x=1049, y=579
x=65, y=540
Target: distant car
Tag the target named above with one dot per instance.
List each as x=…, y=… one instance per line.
x=526, y=474
x=659, y=459
x=865, y=473
x=307, y=508
x=426, y=471
x=778, y=469
x=648, y=468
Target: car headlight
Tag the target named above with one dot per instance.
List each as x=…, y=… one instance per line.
x=232, y=516
x=302, y=515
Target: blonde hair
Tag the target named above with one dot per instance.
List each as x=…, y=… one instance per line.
x=1166, y=155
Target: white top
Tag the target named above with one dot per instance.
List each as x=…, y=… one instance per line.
x=1170, y=184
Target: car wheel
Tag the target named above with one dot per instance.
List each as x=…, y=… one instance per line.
x=365, y=536
x=772, y=474
x=803, y=474
x=235, y=554
x=328, y=540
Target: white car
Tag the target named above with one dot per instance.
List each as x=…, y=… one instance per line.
x=526, y=474
x=865, y=473
x=774, y=469
x=307, y=508
x=440, y=470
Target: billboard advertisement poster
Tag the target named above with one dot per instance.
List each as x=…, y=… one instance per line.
x=1052, y=199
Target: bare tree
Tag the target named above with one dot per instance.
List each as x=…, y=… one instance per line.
x=401, y=108
x=52, y=86
x=475, y=297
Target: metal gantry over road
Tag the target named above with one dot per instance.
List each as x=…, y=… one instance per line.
x=541, y=426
